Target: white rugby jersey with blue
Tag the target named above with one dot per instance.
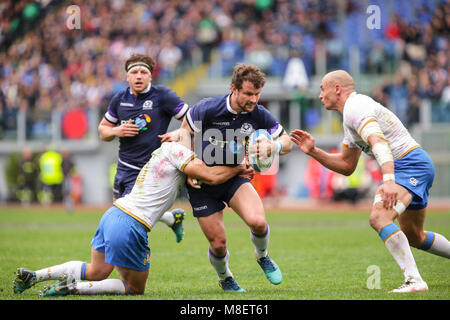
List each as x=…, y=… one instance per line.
x=152, y=110
x=157, y=184
x=359, y=110
x=223, y=128
x=413, y=167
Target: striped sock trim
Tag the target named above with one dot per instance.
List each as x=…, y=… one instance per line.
x=261, y=235
x=83, y=271
x=217, y=257
x=388, y=231
x=428, y=241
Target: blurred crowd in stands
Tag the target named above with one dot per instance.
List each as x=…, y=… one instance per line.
x=44, y=65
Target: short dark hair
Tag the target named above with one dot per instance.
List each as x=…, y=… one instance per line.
x=246, y=72
x=140, y=58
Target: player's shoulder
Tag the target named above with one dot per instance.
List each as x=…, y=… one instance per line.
x=212, y=102
x=358, y=103
x=260, y=109
x=162, y=90
x=211, y=105
x=118, y=99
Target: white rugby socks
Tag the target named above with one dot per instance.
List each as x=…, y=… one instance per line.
x=167, y=218
x=220, y=264
x=107, y=286
x=398, y=245
x=75, y=268
x=436, y=244
x=261, y=243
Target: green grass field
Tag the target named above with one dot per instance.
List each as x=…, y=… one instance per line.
x=323, y=256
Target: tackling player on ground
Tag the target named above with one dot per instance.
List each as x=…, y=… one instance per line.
x=121, y=240
x=138, y=115
x=408, y=172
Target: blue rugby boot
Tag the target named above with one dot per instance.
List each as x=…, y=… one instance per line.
x=24, y=280
x=230, y=285
x=271, y=270
x=177, y=226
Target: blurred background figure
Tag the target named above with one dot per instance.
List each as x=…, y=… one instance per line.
x=28, y=172
x=72, y=183
x=51, y=177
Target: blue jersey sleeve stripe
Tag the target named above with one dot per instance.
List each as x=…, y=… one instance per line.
x=111, y=118
x=190, y=122
x=276, y=131
x=181, y=110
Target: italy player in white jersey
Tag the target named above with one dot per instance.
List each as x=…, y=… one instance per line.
x=407, y=169
x=121, y=238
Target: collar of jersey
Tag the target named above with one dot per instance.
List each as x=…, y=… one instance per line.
x=229, y=106
x=145, y=91
x=350, y=96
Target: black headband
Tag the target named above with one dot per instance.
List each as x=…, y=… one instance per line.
x=138, y=64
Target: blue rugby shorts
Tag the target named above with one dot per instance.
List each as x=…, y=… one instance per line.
x=123, y=239
x=415, y=172
x=210, y=199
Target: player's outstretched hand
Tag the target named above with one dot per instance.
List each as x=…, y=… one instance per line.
x=172, y=136
x=303, y=140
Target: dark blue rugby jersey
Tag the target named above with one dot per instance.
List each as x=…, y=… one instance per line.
x=224, y=132
x=152, y=111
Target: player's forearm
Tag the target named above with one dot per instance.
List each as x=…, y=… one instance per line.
x=219, y=174
x=332, y=161
x=106, y=133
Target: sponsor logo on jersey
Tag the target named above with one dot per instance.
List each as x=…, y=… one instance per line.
x=225, y=123
x=142, y=121
x=126, y=104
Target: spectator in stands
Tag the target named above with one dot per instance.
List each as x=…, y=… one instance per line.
x=79, y=67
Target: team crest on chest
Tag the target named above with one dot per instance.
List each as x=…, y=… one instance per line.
x=246, y=128
x=148, y=105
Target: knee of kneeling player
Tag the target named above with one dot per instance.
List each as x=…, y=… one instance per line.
x=135, y=290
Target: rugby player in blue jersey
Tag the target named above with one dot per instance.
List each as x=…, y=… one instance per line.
x=138, y=115
x=224, y=123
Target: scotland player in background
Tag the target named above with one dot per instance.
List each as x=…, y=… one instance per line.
x=408, y=172
x=138, y=115
x=224, y=122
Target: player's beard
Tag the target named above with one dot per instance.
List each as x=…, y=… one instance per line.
x=248, y=107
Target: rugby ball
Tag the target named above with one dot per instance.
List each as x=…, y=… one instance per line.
x=259, y=165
